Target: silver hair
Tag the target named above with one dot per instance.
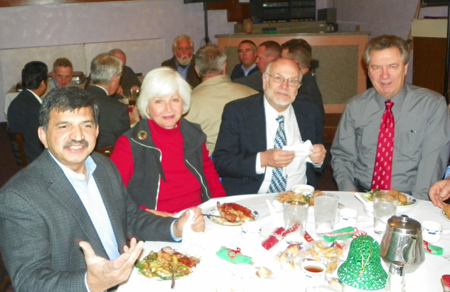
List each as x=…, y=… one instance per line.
x=385, y=42
x=162, y=82
x=179, y=38
x=209, y=60
x=103, y=68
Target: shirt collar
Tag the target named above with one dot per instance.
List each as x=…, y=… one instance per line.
x=272, y=114
x=247, y=70
x=35, y=95
x=396, y=99
x=102, y=89
x=72, y=175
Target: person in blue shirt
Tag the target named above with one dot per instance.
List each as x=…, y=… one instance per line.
x=440, y=191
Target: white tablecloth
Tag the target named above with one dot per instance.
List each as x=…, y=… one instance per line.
x=214, y=274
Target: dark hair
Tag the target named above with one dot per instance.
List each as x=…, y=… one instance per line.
x=66, y=99
x=33, y=74
x=300, y=51
x=249, y=42
x=385, y=42
x=272, y=48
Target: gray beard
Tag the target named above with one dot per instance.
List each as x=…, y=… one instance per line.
x=184, y=61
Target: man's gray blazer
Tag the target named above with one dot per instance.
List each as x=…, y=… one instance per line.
x=42, y=219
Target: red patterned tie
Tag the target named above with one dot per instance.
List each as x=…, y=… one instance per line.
x=383, y=162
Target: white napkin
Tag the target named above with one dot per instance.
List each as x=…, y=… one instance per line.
x=193, y=242
x=302, y=152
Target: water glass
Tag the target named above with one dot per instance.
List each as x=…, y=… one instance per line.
x=325, y=213
x=384, y=207
x=295, y=214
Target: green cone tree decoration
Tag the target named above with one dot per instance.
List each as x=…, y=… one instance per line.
x=362, y=269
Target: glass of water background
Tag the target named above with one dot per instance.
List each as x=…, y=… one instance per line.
x=325, y=212
x=295, y=213
x=384, y=207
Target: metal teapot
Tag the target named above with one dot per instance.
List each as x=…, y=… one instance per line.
x=402, y=242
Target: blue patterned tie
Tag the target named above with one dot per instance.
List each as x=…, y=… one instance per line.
x=278, y=182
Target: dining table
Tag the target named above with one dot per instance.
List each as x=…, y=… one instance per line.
x=214, y=274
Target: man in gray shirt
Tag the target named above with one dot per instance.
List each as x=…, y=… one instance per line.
x=422, y=126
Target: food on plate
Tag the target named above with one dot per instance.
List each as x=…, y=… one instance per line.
x=447, y=210
x=291, y=196
x=402, y=198
x=327, y=255
x=161, y=264
x=263, y=272
x=233, y=212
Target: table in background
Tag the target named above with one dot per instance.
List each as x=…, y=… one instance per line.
x=214, y=274
x=12, y=93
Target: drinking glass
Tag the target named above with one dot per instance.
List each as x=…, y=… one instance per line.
x=325, y=213
x=295, y=214
x=384, y=207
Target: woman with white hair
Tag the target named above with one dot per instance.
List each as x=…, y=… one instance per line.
x=163, y=160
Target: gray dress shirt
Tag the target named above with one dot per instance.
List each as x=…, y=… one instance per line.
x=421, y=143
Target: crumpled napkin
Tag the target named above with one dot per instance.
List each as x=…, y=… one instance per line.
x=302, y=152
x=193, y=242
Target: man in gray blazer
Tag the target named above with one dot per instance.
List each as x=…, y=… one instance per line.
x=66, y=220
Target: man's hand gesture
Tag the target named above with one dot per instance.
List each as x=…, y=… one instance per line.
x=103, y=274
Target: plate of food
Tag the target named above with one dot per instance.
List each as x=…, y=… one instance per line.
x=167, y=264
x=405, y=201
x=231, y=214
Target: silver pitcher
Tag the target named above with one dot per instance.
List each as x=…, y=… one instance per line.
x=402, y=242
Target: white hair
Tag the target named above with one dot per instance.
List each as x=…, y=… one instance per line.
x=162, y=82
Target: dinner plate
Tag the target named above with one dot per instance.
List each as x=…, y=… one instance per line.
x=365, y=199
x=168, y=277
x=444, y=215
x=221, y=221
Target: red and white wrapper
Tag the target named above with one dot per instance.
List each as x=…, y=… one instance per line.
x=276, y=236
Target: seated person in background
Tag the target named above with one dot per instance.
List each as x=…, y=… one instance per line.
x=129, y=79
x=23, y=112
x=62, y=74
x=440, y=191
x=300, y=51
x=247, y=57
x=113, y=118
x=66, y=221
x=216, y=90
x=183, y=60
x=248, y=154
x=163, y=160
x=394, y=135
x=267, y=52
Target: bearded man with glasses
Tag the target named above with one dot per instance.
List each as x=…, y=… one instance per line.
x=265, y=145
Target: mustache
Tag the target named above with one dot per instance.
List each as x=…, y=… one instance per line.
x=76, y=143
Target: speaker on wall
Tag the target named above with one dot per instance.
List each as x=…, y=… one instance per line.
x=426, y=3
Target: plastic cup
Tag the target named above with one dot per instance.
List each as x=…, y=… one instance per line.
x=295, y=215
x=384, y=207
x=325, y=213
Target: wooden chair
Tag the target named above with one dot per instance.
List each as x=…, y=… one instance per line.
x=105, y=150
x=18, y=148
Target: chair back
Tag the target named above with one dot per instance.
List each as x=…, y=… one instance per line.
x=105, y=150
x=18, y=148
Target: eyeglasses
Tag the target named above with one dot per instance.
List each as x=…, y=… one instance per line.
x=280, y=79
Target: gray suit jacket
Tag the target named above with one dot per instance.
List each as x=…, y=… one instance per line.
x=42, y=219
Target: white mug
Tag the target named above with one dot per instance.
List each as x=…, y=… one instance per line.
x=347, y=217
x=431, y=231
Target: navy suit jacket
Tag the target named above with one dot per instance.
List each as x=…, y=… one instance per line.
x=243, y=134
x=239, y=73
x=23, y=117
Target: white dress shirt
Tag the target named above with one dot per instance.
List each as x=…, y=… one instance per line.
x=297, y=173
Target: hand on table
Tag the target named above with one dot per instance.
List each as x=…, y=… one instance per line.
x=103, y=273
x=439, y=192
x=197, y=226
x=276, y=158
x=318, y=153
